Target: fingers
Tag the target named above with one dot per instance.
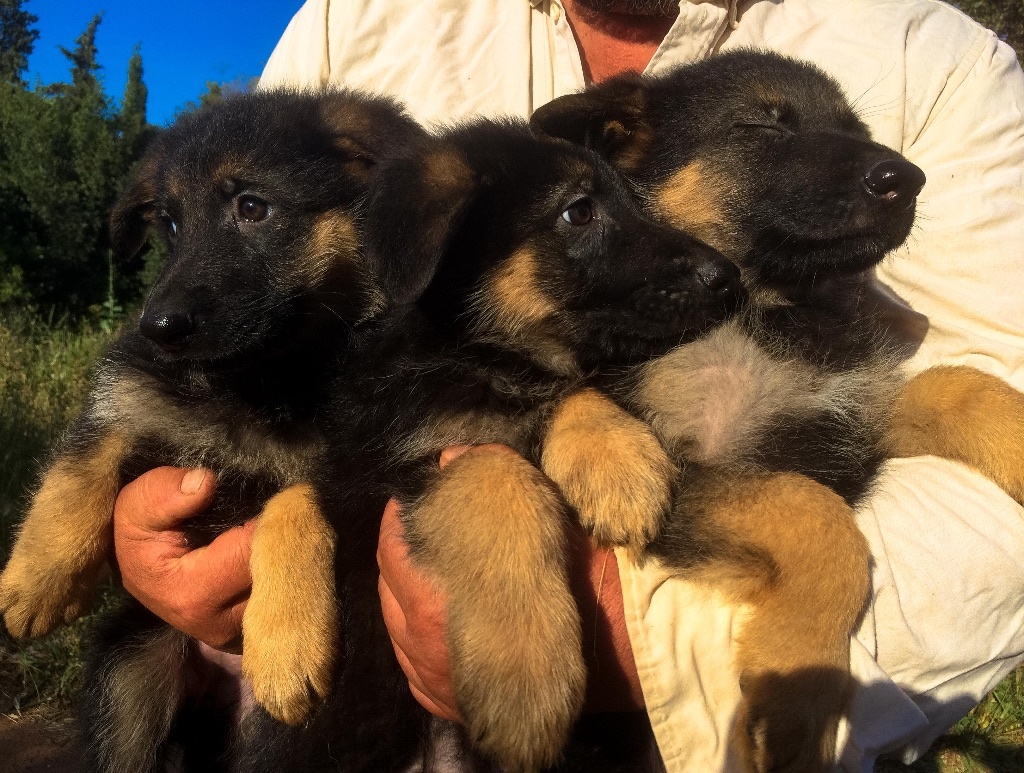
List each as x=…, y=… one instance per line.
x=415, y=613
x=202, y=592
x=163, y=498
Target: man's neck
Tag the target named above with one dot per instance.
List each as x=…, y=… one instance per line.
x=611, y=43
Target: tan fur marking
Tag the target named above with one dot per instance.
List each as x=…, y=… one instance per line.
x=445, y=170
x=145, y=687
x=64, y=541
x=291, y=622
x=333, y=245
x=632, y=154
x=963, y=414
x=347, y=117
x=492, y=529
x=611, y=468
x=693, y=200
x=229, y=169
x=793, y=651
x=519, y=301
x=513, y=307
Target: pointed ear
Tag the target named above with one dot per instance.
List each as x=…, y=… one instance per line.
x=134, y=210
x=415, y=210
x=610, y=119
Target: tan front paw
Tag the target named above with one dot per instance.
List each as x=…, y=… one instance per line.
x=611, y=468
x=33, y=605
x=288, y=665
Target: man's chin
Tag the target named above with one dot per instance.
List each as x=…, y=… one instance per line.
x=633, y=7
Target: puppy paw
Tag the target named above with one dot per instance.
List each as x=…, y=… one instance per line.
x=961, y=413
x=611, y=468
x=36, y=598
x=289, y=630
x=289, y=663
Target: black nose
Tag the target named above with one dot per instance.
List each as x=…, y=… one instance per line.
x=719, y=275
x=895, y=181
x=170, y=329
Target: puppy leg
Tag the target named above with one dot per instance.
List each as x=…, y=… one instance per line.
x=793, y=651
x=963, y=414
x=65, y=540
x=290, y=626
x=611, y=468
x=132, y=698
x=491, y=529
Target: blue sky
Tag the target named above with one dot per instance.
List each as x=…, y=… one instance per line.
x=184, y=44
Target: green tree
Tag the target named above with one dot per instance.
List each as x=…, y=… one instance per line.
x=17, y=39
x=133, y=130
x=64, y=150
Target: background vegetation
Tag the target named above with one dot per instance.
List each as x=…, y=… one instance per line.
x=65, y=149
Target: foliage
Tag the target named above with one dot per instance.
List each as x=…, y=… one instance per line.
x=1004, y=17
x=64, y=152
x=17, y=39
x=44, y=370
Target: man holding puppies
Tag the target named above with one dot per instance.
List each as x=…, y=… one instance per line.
x=944, y=622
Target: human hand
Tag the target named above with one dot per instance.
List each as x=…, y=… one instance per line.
x=415, y=613
x=200, y=591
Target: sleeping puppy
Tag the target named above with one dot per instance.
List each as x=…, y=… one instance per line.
x=257, y=200
x=517, y=267
x=762, y=157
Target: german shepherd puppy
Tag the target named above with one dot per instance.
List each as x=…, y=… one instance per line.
x=258, y=201
x=762, y=157
x=515, y=267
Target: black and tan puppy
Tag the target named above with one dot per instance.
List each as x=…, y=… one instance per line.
x=763, y=158
x=518, y=267
x=257, y=200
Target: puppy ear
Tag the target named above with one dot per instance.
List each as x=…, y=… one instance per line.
x=366, y=130
x=610, y=119
x=415, y=210
x=134, y=210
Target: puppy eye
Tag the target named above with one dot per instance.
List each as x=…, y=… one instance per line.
x=252, y=208
x=169, y=224
x=580, y=212
x=768, y=128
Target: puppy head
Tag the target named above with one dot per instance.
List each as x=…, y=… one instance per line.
x=539, y=247
x=257, y=200
x=757, y=154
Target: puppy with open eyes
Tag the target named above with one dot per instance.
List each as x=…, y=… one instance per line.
x=762, y=157
x=515, y=268
x=265, y=285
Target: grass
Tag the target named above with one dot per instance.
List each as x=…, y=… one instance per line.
x=44, y=369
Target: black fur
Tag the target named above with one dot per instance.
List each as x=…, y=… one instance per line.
x=442, y=221
x=258, y=200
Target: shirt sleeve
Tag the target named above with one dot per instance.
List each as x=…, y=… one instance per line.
x=301, y=58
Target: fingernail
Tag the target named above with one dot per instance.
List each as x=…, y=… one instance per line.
x=192, y=481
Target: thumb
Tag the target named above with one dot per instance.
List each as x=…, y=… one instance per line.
x=162, y=498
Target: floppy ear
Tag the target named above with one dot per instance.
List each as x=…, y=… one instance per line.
x=134, y=210
x=610, y=119
x=416, y=208
x=367, y=130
